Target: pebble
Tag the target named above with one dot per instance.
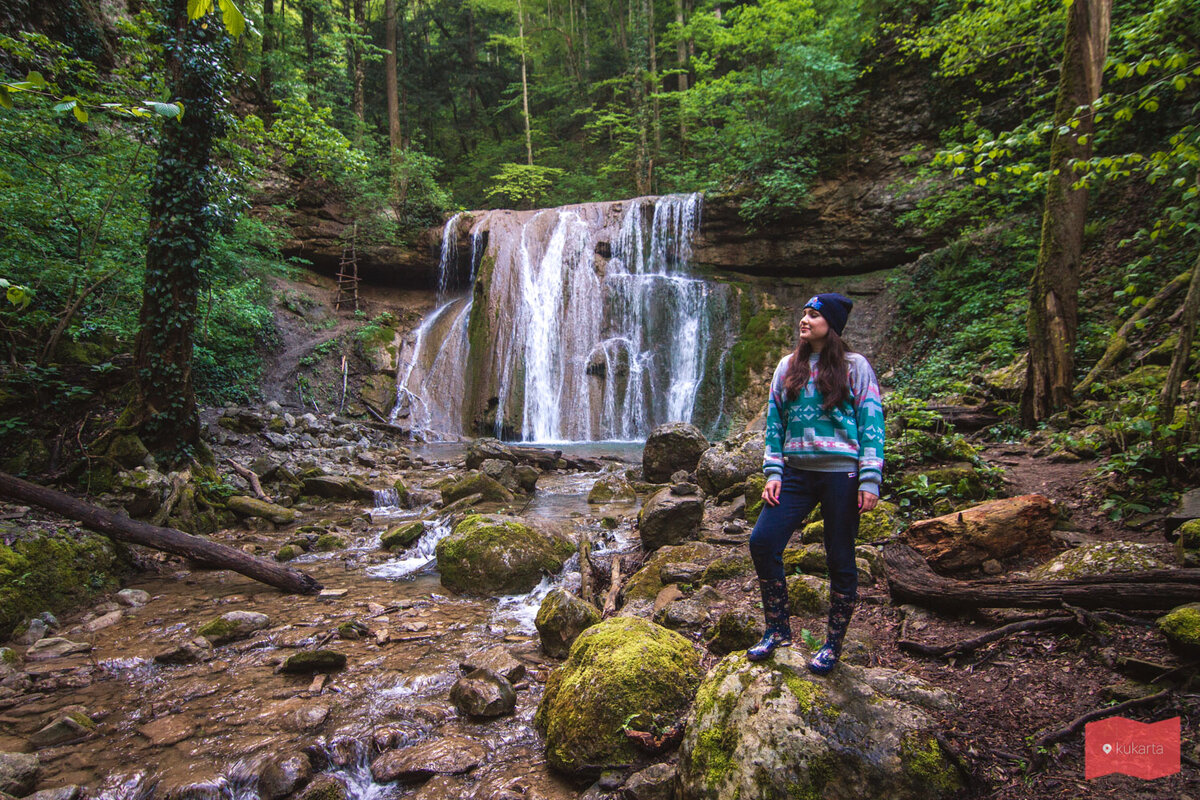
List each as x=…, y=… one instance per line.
x=100, y=623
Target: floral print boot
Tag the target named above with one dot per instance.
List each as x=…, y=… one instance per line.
x=841, y=608
x=779, y=628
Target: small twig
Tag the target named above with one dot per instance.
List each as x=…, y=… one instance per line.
x=969, y=645
x=1039, y=755
x=251, y=478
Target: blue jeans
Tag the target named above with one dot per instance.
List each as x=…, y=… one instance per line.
x=837, y=492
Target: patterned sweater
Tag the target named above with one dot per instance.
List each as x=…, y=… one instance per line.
x=845, y=439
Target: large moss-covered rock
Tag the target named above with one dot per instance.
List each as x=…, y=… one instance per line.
x=772, y=730
x=560, y=619
x=611, y=488
x=646, y=583
x=754, y=503
x=253, y=507
x=496, y=554
x=1181, y=626
x=669, y=518
x=878, y=524
x=730, y=462
x=672, y=447
x=624, y=671
x=1100, y=558
x=54, y=572
x=1001, y=528
x=492, y=490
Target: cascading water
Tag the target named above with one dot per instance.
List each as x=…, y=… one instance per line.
x=583, y=323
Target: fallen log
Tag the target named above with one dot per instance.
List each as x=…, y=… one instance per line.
x=911, y=580
x=122, y=528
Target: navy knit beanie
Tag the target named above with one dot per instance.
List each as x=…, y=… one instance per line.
x=835, y=308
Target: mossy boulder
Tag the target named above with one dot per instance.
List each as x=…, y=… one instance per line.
x=402, y=536
x=807, y=595
x=672, y=447
x=733, y=565
x=1187, y=546
x=328, y=542
x=730, y=462
x=772, y=730
x=1181, y=626
x=26, y=456
x=646, y=583
x=492, y=490
x=1100, y=558
x=560, y=619
x=496, y=554
x=233, y=625
x=288, y=552
x=809, y=559
x=622, y=672
x=611, y=488
x=253, y=507
x=879, y=524
x=669, y=518
x=54, y=572
x=755, y=484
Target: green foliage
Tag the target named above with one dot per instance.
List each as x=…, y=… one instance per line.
x=522, y=185
x=311, y=145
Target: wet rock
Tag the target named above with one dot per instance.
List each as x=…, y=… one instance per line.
x=682, y=572
x=253, y=507
x=444, y=787
x=167, y=731
x=18, y=773
x=55, y=647
x=34, y=632
x=102, y=622
x=672, y=447
x=68, y=792
x=498, y=660
x=488, y=449
x=772, y=730
x=611, y=488
x=655, y=782
x=729, y=463
x=234, y=625
x=288, y=552
x=496, y=554
x=527, y=477
x=314, y=661
x=134, y=598
x=998, y=529
x=560, y=619
x=668, y=519
x=684, y=489
x=446, y=755
x=734, y=630
x=283, y=775
x=401, y=536
x=328, y=542
x=337, y=487
x=304, y=716
x=503, y=472
x=68, y=726
x=483, y=693
x=645, y=584
x=325, y=787
x=623, y=671
x=682, y=615
x=1100, y=558
x=477, y=483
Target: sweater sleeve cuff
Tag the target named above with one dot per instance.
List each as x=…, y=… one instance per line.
x=773, y=473
x=870, y=486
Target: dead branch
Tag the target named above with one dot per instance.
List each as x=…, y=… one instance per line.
x=251, y=478
x=974, y=643
x=586, y=590
x=614, y=589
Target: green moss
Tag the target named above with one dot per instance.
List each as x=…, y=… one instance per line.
x=218, y=630
x=878, y=524
x=9, y=657
x=804, y=597
x=646, y=583
x=55, y=572
x=468, y=558
x=926, y=766
x=764, y=335
x=713, y=754
x=401, y=491
x=478, y=483
x=754, y=502
x=806, y=692
x=329, y=541
x=725, y=567
x=288, y=552
x=808, y=559
x=623, y=671
x=402, y=535
x=1182, y=625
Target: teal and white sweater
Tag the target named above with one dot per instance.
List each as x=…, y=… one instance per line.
x=845, y=439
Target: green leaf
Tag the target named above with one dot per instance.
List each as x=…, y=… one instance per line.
x=36, y=80
x=80, y=114
x=67, y=104
x=198, y=8
x=5, y=99
x=171, y=110
x=231, y=15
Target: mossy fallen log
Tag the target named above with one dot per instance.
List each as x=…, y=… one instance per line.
x=122, y=528
x=912, y=580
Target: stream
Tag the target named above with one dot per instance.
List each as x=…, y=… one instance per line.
x=204, y=729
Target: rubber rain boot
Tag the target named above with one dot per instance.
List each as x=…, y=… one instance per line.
x=779, y=628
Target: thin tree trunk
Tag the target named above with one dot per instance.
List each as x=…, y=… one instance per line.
x=524, y=85
x=268, y=43
x=393, y=92
x=1052, y=319
x=306, y=23
x=587, y=56
x=654, y=83
x=122, y=528
x=1183, y=351
x=358, y=102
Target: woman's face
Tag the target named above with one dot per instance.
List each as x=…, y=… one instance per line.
x=813, y=327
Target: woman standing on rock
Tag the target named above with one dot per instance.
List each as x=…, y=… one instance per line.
x=824, y=444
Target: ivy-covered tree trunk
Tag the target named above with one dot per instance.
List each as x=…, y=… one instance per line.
x=182, y=220
x=1052, y=320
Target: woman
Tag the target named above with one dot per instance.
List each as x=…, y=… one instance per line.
x=824, y=444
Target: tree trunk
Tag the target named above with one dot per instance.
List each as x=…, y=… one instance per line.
x=587, y=56
x=524, y=84
x=910, y=579
x=163, y=410
x=681, y=58
x=124, y=529
x=358, y=102
x=653, y=87
x=306, y=24
x=393, y=92
x=268, y=43
x=1183, y=351
x=1052, y=317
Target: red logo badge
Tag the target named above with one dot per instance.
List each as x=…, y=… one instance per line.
x=1143, y=750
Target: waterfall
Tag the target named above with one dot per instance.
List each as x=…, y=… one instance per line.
x=581, y=323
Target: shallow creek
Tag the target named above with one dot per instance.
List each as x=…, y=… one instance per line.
x=199, y=730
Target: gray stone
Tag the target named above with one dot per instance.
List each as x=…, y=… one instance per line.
x=102, y=622
x=498, y=660
x=527, y=477
x=234, y=625
x=682, y=615
x=729, y=463
x=672, y=447
x=36, y=631
x=486, y=449
x=67, y=727
x=18, y=773
x=69, y=792
x=655, y=782
x=284, y=775
x=682, y=572
x=55, y=647
x=560, y=619
x=445, y=755
x=166, y=731
x=337, y=487
x=611, y=488
x=134, y=598
x=280, y=441
x=668, y=518
x=483, y=693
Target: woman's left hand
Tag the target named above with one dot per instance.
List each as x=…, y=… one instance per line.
x=867, y=501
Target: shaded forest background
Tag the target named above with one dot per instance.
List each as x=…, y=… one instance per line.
x=512, y=103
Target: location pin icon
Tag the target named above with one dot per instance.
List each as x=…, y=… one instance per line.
x=1107, y=749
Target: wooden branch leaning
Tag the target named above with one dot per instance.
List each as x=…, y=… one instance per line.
x=911, y=580
x=614, y=589
x=122, y=528
x=251, y=478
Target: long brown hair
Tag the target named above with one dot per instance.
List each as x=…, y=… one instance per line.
x=832, y=381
